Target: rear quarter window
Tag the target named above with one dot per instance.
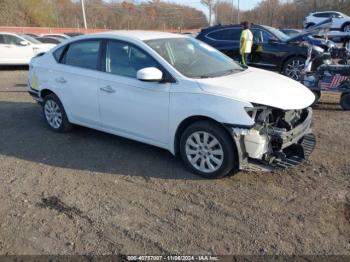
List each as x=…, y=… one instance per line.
x=58, y=53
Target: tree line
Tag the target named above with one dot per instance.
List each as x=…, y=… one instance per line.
x=113, y=14
x=279, y=13
x=157, y=14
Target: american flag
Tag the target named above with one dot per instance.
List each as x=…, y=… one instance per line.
x=329, y=82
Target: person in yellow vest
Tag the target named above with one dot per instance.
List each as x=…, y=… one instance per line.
x=246, y=43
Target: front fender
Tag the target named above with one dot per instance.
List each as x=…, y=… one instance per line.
x=217, y=108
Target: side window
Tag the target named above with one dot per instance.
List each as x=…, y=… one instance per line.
x=125, y=60
x=2, y=40
x=11, y=40
x=230, y=34
x=58, y=53
x=261, y=36
x=336, y=15
x=323, y=15
x=84, y=54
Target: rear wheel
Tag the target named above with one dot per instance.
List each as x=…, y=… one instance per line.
x=346, y=28
x=207, y=150
x=293, y=68
x=55, y=114
x=345, y=101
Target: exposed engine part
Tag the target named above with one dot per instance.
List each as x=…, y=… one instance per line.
x=275, y=132
x=256, y=144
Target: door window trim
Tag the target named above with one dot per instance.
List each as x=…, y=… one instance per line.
x=220, y=40
x=168, y=78
x=67, y=46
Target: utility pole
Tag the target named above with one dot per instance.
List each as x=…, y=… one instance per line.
x=84, y=15
x=238, y=14
x=232, y=11
x=217, y=12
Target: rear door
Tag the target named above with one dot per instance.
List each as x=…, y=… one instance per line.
x=12, y=52
x=76, y=79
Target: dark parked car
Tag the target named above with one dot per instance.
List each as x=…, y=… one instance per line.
x=49, y=40
x=72, y=34
x=272, y=49
x=32, y=35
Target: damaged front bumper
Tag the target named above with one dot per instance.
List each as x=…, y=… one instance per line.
x=273, y=148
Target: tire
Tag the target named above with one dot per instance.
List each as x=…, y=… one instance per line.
x=55, y=115
x=213, y=158
x=346, y=28
x=293, y=67
x=345, y=101
x=317, y=97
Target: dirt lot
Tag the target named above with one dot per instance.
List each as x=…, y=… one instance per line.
x=87, y=192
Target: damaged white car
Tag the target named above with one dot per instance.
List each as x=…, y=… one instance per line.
x=176, y=93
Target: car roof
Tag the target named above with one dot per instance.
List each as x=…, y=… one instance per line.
x=9, y=33
x=323, y=12
x=139, y=35
x=215, y=27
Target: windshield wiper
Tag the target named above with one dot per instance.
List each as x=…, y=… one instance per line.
x=223, y=73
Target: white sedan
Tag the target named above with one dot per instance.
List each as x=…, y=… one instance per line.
x=177, y=93
x=16, y=49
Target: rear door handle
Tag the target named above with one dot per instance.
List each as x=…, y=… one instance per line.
x=61, y=80
x=107, y=89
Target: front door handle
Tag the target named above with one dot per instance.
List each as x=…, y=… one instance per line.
x=107, y=89
x=61, y=80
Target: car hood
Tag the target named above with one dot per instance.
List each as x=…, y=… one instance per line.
x=260, y=87
x=324, y=25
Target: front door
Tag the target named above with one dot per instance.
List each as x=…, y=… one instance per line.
x=266, y=50
x=128, y=106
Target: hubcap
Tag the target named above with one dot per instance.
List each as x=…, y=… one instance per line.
x=204, y=152
x=294, y=69
x=53, y=114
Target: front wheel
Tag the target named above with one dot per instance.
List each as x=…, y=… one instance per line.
x=293, y=68
x=345, y=101
x=207, y=150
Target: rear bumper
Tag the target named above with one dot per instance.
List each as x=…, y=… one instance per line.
x=294, y=147
x=35, y=94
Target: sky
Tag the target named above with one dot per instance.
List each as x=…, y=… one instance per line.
x=244, y=4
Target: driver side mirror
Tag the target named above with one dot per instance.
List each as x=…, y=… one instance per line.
x=150, y=74
x=23, y=43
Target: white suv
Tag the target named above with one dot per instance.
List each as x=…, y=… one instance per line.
x=177, y=93
x=341, y=22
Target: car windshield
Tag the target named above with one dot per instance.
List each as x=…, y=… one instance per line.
x=194, y=58
x=31, y=39
x=280, y=35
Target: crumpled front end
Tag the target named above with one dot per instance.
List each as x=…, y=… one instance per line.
x=279, y=138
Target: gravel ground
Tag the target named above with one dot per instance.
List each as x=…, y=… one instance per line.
x=87, y=192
